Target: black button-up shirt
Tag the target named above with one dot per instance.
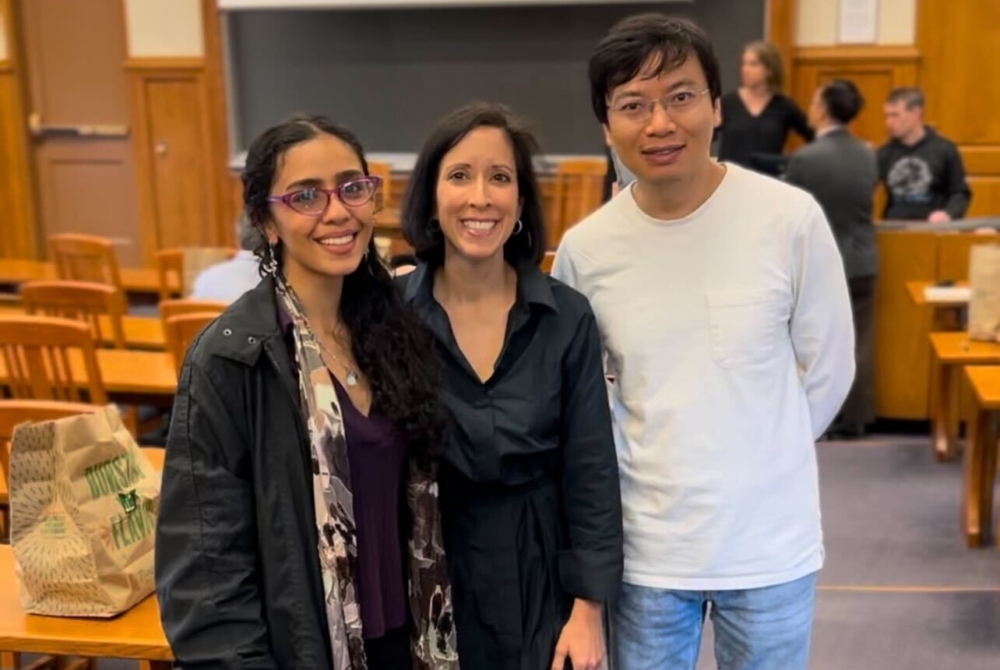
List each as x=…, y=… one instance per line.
x=530, y=501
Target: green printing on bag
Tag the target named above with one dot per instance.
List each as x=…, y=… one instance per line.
x=54, y=526
x=138, y=521
x=113, y=475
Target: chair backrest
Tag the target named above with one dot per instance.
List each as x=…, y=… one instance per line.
x=47, y=358
x=176, y=307
x=85, y=258
x=80, y=301
x=181, y=330
x=579, y=190
x=383, y=170
x=170, y=271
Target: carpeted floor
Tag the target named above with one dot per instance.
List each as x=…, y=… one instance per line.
x=900, y=591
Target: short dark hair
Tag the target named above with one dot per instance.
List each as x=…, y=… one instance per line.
x=842, y=99
x=911, y=96
x=419, y=228
x=620, y=56
x=264, y=158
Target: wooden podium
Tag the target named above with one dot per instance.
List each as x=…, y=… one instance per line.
x=915, y=252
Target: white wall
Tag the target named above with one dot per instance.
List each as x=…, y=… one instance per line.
x=164, y=28
x=817, y=22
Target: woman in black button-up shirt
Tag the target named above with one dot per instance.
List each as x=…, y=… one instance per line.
x=529, y=492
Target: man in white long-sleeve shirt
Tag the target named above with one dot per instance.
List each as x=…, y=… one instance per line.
x=724, y=311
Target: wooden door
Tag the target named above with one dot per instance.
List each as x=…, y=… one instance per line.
x=78, y=118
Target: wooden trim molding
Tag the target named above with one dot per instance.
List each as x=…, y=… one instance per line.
x=158, y=64
x=218, y=122
x=866, y=53
x=780, y=27
x=17, y=183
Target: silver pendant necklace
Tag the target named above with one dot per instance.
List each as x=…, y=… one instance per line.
x=352, y=375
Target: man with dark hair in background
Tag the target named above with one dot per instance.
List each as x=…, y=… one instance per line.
x=840, y=171
x=922, y=171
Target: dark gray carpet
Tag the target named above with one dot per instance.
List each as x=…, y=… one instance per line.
x=891, y=515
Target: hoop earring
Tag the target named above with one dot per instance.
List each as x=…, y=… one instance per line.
x=518, y=227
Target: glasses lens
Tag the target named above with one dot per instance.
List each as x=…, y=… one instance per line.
x=357, y=192
x=309, y=201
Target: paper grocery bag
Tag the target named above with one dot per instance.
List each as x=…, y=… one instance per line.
x=984, y=305
x=83, y=502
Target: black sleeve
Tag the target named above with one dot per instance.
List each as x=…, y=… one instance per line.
x=959, y=193
x=206, y=545
x=798, y=122
x=592, y=567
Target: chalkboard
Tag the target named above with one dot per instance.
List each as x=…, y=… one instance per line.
x=390, y=74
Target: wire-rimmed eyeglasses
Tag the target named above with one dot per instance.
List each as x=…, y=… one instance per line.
x=637, y=108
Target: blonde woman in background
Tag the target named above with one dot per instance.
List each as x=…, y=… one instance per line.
x=757, y=117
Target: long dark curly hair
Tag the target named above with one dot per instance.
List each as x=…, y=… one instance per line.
x=389, y=342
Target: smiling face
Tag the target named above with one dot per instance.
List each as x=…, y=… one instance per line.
x=333, y=241
x=663, y=147
x=477, y=196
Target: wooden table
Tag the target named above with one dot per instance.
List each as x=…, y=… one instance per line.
x=20, y=270
x=136, y=376
x=981, y=452
x=951, y=351
x=136, y=634
x=913, y=253
x=141, y=332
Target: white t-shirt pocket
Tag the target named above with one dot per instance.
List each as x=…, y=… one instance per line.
x=744, y=327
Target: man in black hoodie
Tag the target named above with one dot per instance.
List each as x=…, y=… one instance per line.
x=922, y=171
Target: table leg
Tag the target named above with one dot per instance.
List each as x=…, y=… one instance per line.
x=978, y=502
x=9, y=659
x=945, y=429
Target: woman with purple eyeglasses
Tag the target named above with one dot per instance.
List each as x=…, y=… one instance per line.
x=298, y=523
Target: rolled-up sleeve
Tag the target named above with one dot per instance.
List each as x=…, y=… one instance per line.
x=591, y=568
x=206, y=543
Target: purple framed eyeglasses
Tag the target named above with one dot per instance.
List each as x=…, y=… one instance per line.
x=314, y=200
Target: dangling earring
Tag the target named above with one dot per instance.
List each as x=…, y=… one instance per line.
x=271, y=262
x=518, y=227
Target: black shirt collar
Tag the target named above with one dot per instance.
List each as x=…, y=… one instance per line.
x=533, y=287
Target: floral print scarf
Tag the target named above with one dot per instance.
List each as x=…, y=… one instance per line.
x=433, y=639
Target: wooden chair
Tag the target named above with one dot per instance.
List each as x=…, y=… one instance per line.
x=578, y=191
x=85, y=258
x=169, y=308
x=182, y=329
x=383, y=170
x=38, y=352
x=170, y=271
x=80, y=301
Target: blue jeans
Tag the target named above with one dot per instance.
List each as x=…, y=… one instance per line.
x=755, y=629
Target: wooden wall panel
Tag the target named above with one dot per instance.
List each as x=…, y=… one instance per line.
x=875, y=70
x=18, y=215
x=958, y=75
x=178, y=187
x=17, y=195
